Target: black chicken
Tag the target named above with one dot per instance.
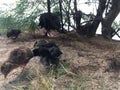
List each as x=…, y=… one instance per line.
x=18, y=57
x=13, y=33
x=48, y=51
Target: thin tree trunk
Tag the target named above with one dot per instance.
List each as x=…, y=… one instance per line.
x=68, y=15
x=98, y=18
x=107, y=30
x=113, y=13
x=75, y=5
x=48, y=6
x=75, y=8
x=68, y=19
x=61, y=17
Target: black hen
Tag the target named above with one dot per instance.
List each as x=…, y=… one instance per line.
x=18, y=57
x=46, y=57
x=40, y=43
x=49, y=52
x=13, y=33
x=51, y=46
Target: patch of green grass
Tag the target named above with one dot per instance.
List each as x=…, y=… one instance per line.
x=45, y=81
x=79, y=82
x=40, y=82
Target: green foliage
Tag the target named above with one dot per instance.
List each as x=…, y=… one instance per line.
x=56, y=9
x=116, y=25
x=26, y=11
x=23, y=16
x=8, y=22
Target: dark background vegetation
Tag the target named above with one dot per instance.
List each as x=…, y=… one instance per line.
x=25, y=16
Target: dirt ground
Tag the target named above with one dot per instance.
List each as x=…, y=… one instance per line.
x=96, y=59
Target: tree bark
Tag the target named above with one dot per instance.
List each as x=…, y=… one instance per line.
x=48, y=6
x=89, y=29
x=113, y=13
x=61, y=17
x=107, y=30
x=93, y=28
x=68, y=15
x=75, y=8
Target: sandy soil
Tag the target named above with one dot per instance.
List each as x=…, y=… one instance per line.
x=96, y=58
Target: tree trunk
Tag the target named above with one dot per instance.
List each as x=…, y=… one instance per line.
x=75, y=8
x=113, y=13
x=77, y=18
x=98, y=18
x=61, y=17
x=68, y=19
x=48, y=6
x=107, y=30
x=75, y=5
x=89, y=29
